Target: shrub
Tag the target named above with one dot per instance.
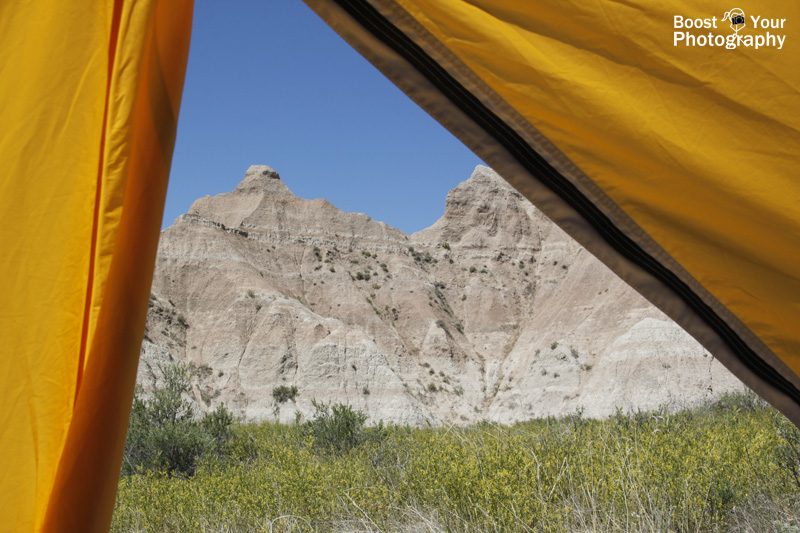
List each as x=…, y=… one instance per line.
x=217, y=425
x=283, y=394
x=336, y=429
x=164, y=434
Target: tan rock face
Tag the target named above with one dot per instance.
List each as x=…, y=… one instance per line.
x=491, y=313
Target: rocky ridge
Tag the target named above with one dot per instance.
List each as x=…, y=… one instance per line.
x=493, y=313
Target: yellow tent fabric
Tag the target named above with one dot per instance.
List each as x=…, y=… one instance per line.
x=669, y=148
x=670, y=155
x=91, y=92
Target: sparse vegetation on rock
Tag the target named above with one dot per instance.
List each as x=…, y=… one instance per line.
x=284, y=393
x=264, y=308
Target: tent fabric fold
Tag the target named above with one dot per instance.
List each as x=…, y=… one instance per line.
x=671, y=164
x=92, y=92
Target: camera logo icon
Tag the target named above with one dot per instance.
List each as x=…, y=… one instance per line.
x=736, y=17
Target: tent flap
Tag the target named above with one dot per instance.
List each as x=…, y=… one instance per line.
x=92, y=95
x=669, y=161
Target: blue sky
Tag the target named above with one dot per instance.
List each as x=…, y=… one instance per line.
x=269, y=83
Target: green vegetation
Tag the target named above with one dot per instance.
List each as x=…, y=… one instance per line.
x=724, y=467
x=164, y=433
x=283, y=394
x=335, y=429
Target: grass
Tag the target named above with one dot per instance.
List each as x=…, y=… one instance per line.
x=716, y=468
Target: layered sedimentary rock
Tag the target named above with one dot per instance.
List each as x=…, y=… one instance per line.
x=491, y=313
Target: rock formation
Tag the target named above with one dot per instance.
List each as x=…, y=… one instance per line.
x=491, y=313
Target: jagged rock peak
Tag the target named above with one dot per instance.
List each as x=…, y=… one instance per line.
x=485, y=177
x=262, y=170
x=260, y=178
x=483, y=207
